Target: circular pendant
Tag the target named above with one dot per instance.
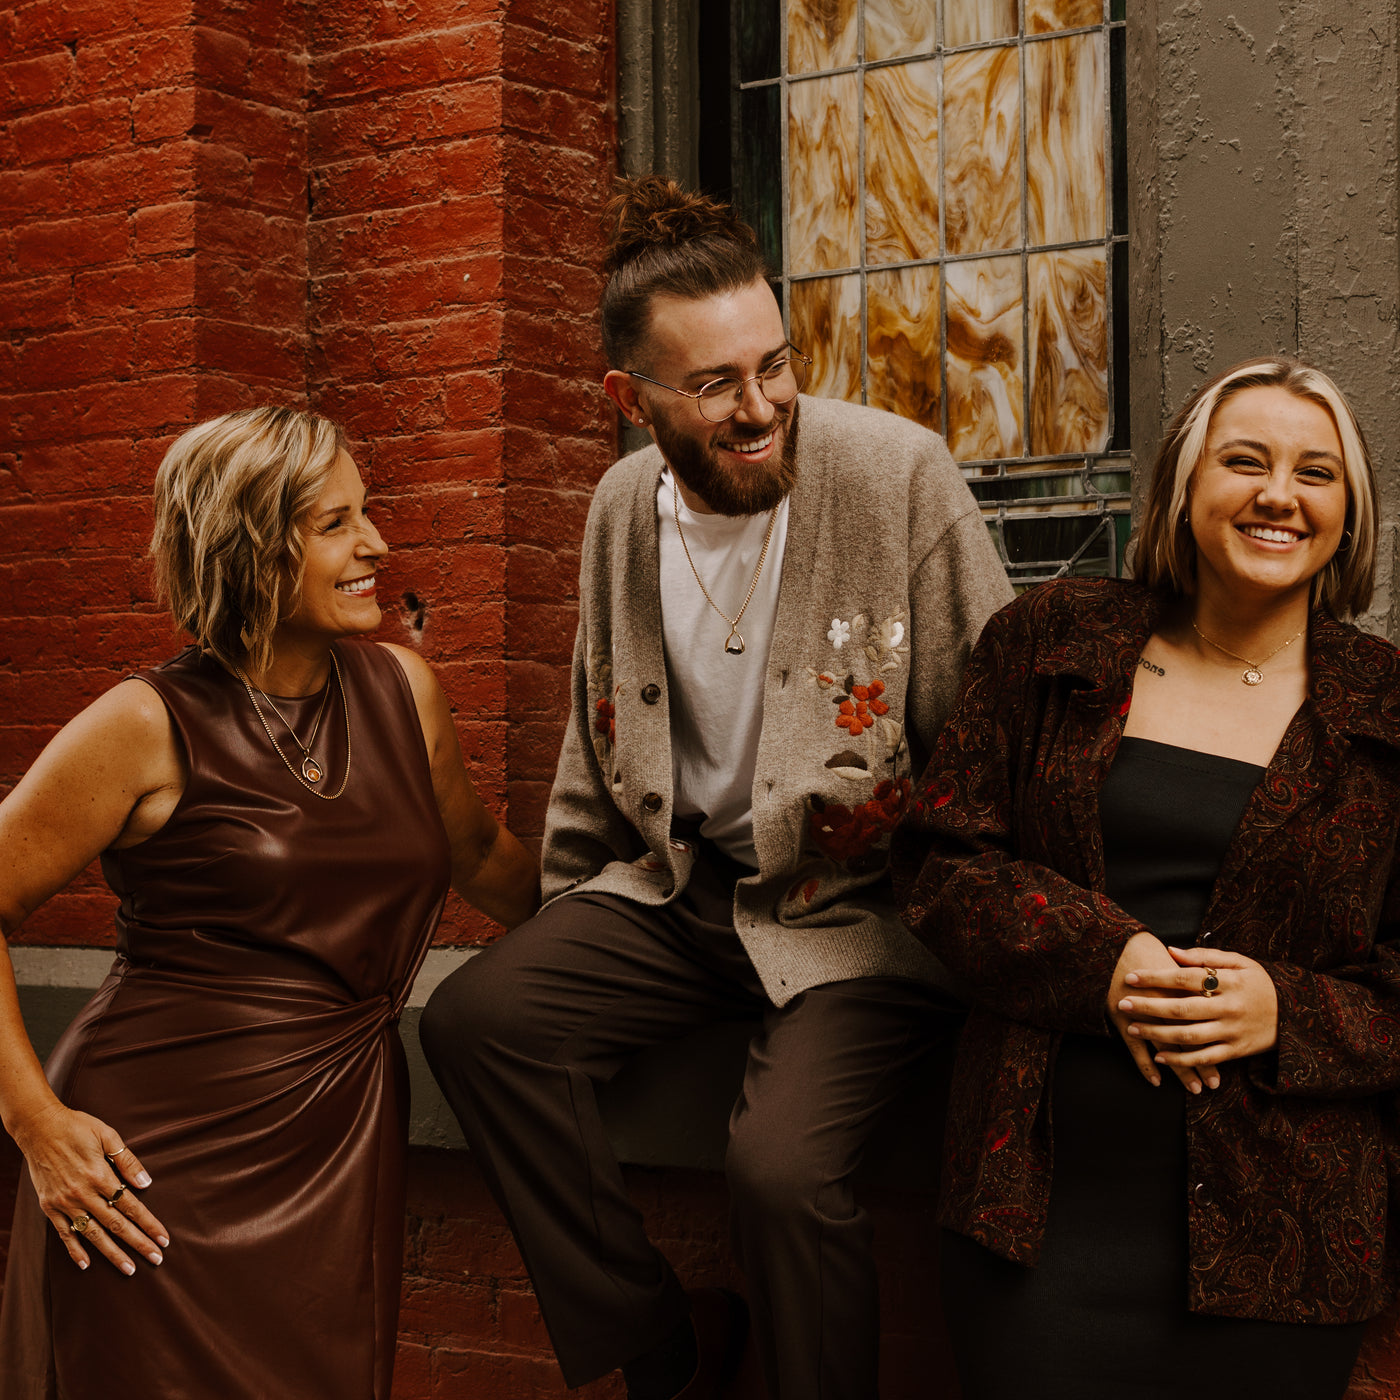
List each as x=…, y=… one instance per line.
x=1252, y=676
x=311, y=770
x=734, y=643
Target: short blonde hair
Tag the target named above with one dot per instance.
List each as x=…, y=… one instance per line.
x=229, y=498
x=1164, y=550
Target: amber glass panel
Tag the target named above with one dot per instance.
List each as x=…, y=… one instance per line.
x=823, y=188
x=1065, y=177
x=821, y=34
x=1044, y=16
x=825, y=324
x=901, y=163
x=977, y=21
x=985, y=359
x=901, y=334
x=1069, y=351
x=982, y=145
x=896, y=28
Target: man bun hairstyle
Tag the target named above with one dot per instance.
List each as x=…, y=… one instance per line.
x=663, y=239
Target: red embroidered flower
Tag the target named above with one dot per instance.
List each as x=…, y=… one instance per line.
x=606, y=720
x=854, y=716
x=858, y=711
x=846, y=834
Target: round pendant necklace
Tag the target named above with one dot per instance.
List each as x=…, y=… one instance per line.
x=1251, y=675
x=734, y=642
x=311, y=772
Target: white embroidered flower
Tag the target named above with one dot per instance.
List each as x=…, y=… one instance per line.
x=839, y=634
x=890, y=633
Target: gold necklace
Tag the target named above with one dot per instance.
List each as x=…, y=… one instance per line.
x=734, y=634
x=311, y=771
x=1252, y=675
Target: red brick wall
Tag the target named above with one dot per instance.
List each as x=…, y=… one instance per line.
x=152, y=273
x=390, y=214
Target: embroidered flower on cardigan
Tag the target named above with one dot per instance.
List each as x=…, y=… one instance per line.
x=605, y=719
x=863, y=706
x=839, y=633
x=847, y=834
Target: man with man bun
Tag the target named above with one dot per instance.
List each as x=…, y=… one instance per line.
x=776, y=603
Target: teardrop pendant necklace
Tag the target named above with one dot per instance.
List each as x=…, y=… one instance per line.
x=734, y=642
x=311, y=771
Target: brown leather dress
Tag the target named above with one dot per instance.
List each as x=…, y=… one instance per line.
x=245, y=1046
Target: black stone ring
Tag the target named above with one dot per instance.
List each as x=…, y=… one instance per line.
x=1212, y=983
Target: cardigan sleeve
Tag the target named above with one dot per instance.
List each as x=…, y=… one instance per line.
x=584, y=828
x=1339, y=1030
x=1028, y=943
x=956, y=582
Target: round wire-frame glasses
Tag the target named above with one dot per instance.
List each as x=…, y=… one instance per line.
x=720, y=399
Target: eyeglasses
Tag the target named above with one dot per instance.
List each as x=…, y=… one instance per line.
x=721, y=399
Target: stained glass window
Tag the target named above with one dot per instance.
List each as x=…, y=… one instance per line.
x=942, y=186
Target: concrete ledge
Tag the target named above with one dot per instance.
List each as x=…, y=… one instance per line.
x=669, y=1107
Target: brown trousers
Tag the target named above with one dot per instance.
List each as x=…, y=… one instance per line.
x=518, y=1037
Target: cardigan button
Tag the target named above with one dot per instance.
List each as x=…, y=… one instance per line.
x=653, y=802
x=651, y=693
x=1202, y=1194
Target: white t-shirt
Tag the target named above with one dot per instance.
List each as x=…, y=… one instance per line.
x=717, y=698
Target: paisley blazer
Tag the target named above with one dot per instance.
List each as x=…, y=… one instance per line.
x=1000, y=870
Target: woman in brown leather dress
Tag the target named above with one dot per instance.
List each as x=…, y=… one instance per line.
x=1157, y=840
x=214, y=1202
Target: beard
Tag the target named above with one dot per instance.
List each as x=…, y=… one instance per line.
x=726, y=490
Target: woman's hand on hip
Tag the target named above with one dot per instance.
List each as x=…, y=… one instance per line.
x=86, y=1178
x=1145, y=954
x=1213, y=1006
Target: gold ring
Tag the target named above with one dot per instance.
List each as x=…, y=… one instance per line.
x=1212, y=983
x=117, y=1194
x=80, y=1224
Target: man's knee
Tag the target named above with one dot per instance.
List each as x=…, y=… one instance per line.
x=775, y=1174
x=467, y=1012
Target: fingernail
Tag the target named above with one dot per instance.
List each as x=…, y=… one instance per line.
x=154, y=1257
x=127, y=1267
x=1155, y=1081
x=1135, y=1030
x=81, y=1263
x=162, y=1242
x=143, y=1179
x=1131, y=977
x=1196, y=1088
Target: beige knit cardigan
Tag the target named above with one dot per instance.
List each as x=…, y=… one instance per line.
x=888, y=576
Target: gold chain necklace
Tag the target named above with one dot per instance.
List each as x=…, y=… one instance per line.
x=311, y=771
x=734, y=634
x=1252, y=675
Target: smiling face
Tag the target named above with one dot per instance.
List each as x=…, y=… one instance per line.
x=743, y=466
x=341, y=548
x=1268, y=499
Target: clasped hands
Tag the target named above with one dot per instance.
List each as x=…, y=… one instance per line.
x=1157, y=1003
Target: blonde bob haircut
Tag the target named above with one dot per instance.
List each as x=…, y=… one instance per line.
x=1164, y=550
x=229, y=498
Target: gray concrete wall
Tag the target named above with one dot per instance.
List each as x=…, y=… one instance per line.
x=1262, y=165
